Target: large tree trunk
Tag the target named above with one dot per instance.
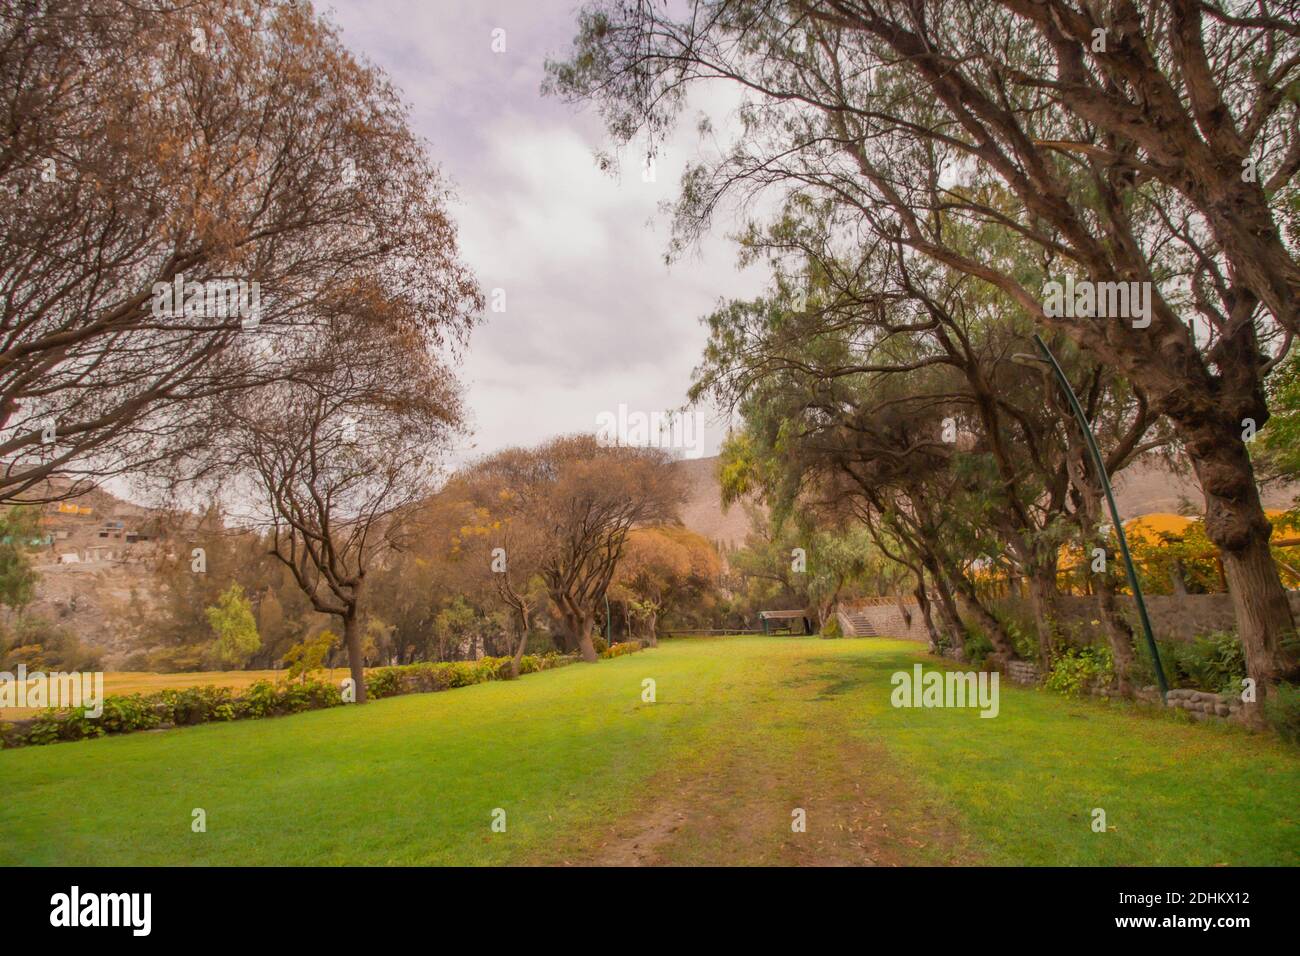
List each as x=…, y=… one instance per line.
x=1004, y=649
x=653, y=636
x=356, y=665
x=582, y=631
x=1263, y=616
x=564, y=638
x=577, y=625
x=1235, y=522
x=923, y=602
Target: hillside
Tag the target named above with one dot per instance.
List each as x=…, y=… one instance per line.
x=95, y=551
x=1150, y=487
x=703, y=512
x=1146, y=487
x=100, y=549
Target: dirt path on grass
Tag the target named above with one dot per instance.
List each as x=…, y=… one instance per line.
x=734, y=806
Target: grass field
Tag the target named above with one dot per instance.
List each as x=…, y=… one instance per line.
x=743, y=732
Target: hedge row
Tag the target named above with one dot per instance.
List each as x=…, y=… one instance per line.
x=625, y=647
x=124, y=713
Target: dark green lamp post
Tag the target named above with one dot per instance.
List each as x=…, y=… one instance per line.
x=1095, y=452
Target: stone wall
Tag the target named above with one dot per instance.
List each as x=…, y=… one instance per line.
x=888, y=621
x=1022, y=672
x=1173, y=617
x=1202, y=704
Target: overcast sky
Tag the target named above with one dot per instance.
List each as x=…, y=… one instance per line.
x=594, y=319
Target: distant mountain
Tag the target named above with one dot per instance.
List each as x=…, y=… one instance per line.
x=1145, y=487
x=703, y=512
x=1151, y=487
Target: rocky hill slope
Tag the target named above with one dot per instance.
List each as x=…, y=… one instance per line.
x=97, y=552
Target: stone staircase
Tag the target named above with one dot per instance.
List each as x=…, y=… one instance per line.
x=855, y=623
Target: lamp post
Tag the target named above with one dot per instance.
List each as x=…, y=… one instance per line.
x=1095, y=452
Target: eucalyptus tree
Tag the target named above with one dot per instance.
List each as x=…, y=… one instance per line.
x=853, y=425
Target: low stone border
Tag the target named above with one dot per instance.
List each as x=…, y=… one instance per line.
x=1200, y=704
x=1022, y=672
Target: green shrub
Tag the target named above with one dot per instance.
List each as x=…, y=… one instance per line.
x=600, y=644
x=618, y=650
x=978, y=646
x=383, y=682
x=128, y=712
x=831, y=628
x=531, y=663
x=257, y=700
x=197, y=705
x=75, y=725
x=1282, y=710
x=44, y=729
x=1024, y=638
x=309, y=654
x=1078, y=669
x=1213, y=662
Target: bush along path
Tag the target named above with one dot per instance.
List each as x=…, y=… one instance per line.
x=125, y=713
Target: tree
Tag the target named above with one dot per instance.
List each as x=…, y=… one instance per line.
x=837, y=560
x=652, y=567
x=231, y=620
x=18, y=526
x=310, y=654
x=1197, y=96
x=196, y=147
x=1277, y=451
x=584, y=499
x=910, y=393
x=503, y=539
x=877, y=113
x=333, y=469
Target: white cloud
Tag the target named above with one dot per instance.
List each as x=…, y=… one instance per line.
x=594, y=319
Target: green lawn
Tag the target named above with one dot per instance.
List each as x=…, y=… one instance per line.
x=743, y=730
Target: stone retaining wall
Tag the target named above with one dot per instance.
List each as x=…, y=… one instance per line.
x=1173, y=617
x=888, y=621
x=1022, y=672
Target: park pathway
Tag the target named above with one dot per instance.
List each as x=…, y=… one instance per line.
x=734, y=805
